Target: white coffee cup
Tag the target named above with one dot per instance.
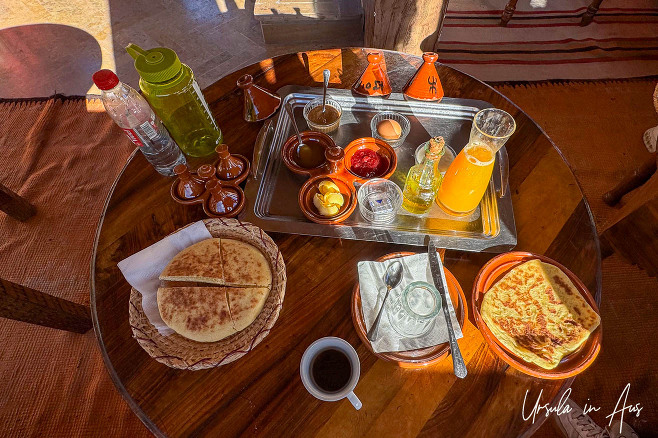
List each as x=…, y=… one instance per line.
x=312, y=351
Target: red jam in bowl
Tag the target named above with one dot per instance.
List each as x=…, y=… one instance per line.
x=367, y=163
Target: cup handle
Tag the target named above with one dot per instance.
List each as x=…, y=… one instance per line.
x=354, y=400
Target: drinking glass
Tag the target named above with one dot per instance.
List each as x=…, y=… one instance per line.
x=415, y=310
x=467, y=178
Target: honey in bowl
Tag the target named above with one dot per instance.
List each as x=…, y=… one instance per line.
x=310, y=154
x=368, y=163
x=323, y=118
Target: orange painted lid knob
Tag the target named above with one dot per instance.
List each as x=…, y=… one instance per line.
x=374, y=79
x=425, y=84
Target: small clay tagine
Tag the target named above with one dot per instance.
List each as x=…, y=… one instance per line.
x=259, y=104
x=224, y=201
x=231, y=168
x=186, y=187
x=425, y=84
x=374, y=79
x=206, y=173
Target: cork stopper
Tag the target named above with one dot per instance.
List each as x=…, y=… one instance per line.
x=436, y=147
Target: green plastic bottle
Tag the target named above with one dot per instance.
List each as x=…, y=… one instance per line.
x=171, y=90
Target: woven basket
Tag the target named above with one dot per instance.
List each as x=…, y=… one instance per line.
x=176, y=351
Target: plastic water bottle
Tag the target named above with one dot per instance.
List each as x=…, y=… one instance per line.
x=133, y=114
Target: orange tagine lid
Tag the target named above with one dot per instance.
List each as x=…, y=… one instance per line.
x=374, y=80
x=425, y=84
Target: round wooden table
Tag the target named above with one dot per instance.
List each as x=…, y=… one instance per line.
x=262, y=393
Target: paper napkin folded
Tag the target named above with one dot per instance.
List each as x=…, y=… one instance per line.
x=373, y=290
x=142, y=269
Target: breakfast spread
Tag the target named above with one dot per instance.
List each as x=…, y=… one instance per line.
x=537, y=313
x=213, y=289
x=328, y=200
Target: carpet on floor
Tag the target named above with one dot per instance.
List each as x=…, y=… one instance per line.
x=544, y=40
x=63, y=159
x=54, y=383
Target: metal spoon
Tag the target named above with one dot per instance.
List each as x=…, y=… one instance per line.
x=325, y=75
x=294, y=125
x=392, y=279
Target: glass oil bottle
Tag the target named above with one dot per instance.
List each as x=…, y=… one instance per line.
x=423, y=180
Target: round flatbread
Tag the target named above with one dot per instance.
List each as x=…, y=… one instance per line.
x=245, y=304
x=198, y=313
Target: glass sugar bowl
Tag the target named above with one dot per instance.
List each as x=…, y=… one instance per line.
x=413, y=313
x=379, y=200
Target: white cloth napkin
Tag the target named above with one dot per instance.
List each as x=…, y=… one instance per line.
x=142, y=269
x=373, y=290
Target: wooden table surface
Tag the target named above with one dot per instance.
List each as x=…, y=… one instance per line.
x=262, y=394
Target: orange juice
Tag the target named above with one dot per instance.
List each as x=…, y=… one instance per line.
x=467, y=178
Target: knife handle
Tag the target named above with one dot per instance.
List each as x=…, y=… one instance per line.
x=457, y=360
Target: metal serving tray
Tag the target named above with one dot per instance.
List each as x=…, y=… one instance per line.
x=272, y=190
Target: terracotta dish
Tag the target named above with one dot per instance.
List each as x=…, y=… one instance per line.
x=313, y=139
x=205, y=197
x=380, y=147
x=570, y=365
x=310, y=188
x=413, y=358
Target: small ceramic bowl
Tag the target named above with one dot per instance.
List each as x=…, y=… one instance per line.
x=310, y=188
x=323, y=128
x=391, y=115
x=379, y=200
x=289, y=151
x=377, y=145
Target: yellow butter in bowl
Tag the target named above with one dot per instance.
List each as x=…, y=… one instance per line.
x=329, y=200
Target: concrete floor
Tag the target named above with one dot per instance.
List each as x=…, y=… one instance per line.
x=54, y=46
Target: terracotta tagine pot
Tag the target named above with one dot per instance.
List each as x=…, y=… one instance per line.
x=223, y=201
x=231, y=168
x=259, y=104
x=374, y=79
x=425, y=84
x=186, y=188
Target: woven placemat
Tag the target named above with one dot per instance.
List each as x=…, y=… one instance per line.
x=178, y=352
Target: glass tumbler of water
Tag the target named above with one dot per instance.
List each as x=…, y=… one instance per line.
x=414, y=311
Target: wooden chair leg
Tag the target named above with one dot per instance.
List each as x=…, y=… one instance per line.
x=508, y=12
x=14, y=205
x=24, y=304
x=591, y=11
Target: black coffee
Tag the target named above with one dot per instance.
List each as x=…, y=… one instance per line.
x=331, y=370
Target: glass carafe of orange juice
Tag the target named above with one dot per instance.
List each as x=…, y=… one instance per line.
x=467, y=178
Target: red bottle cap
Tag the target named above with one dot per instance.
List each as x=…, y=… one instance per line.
x=105, y=79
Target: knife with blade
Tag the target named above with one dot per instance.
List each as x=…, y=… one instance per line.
x=439, y=277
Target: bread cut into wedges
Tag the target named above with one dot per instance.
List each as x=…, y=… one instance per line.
x=198, y=313
x=244, y=265
x=246, y=304
x=200, y=262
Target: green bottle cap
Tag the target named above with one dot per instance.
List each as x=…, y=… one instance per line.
x=156, y=65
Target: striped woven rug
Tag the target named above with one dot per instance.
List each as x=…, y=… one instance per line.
x=544, y=40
